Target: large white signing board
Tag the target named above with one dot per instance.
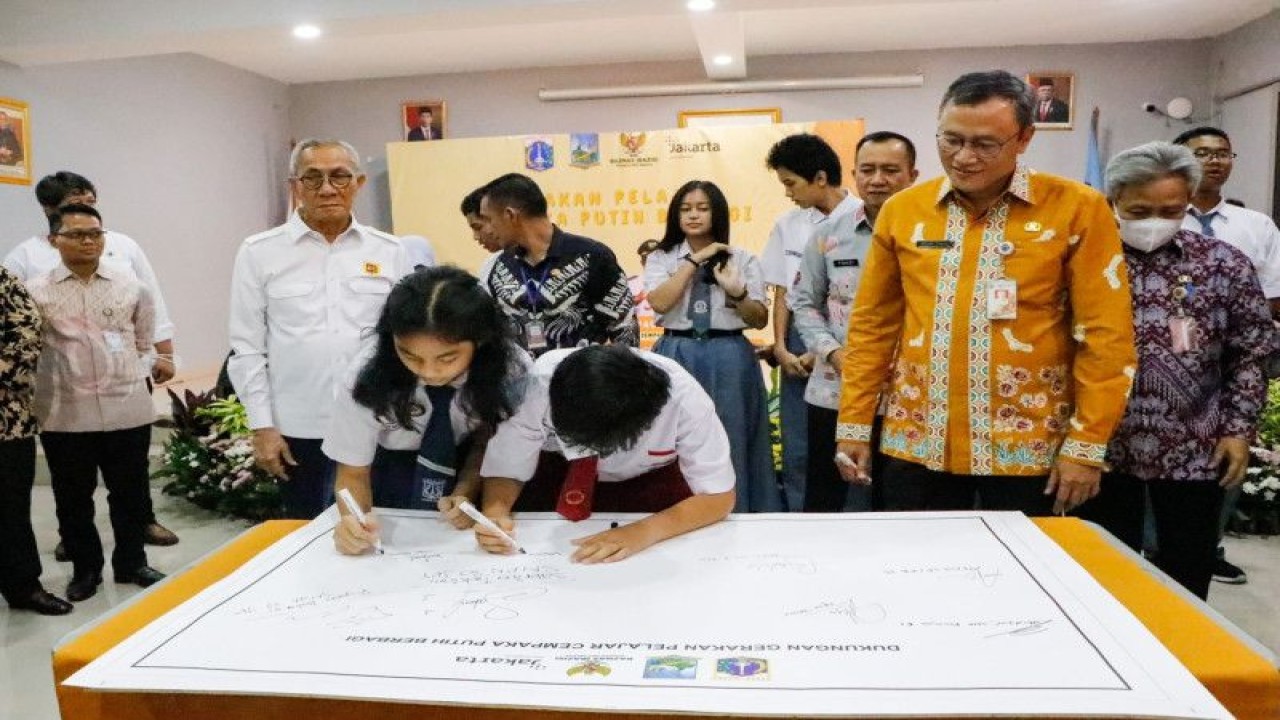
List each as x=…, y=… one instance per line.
x=815, y=615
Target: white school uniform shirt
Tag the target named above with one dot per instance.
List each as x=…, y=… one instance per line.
x=780, y=259
x=686, y=430
x=36, y=256
x=1250, y=232
x=662, y=264
x=299, y=306
x=355, y=432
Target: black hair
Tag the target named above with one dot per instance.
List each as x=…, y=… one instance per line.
x=888, y=136
x=603, y=397
x=805, y=155
x=517, y=191
x=447, y=302
x=53, y=189
x=56, y=217
x=978, y=87
x=426, y=110
x=673, y=236
x=471, y=203
x=1189, y=135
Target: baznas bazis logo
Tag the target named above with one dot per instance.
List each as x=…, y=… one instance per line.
x=590, y=667
x=633, y=143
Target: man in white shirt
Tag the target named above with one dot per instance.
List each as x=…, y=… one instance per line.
x=301, y=295
x=1249, y=231
x=35, y=257
x=810, y=173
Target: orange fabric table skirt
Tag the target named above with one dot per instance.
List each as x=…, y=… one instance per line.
x=1242, y=680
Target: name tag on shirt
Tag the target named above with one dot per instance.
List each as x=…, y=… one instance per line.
x=1182, y=331
x=114, y=341
x=935, y=244
x=851, y=262
x=1002, y=300
x=534, y=335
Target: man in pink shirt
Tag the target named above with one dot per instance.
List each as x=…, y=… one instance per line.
x=92, y=402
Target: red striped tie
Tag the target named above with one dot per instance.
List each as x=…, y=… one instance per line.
x=578, y=489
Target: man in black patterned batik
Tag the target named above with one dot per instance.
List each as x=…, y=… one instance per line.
x=560, y=290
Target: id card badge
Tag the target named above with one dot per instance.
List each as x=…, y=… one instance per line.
x=1002, y=299
x=113, y=340
x=1182, y=333
x=534, y=335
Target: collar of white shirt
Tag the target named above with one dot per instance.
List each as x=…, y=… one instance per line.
x=298, y=228
x=62, y=272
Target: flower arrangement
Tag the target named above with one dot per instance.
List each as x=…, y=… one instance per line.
x=1259, y=508
x=209, y=458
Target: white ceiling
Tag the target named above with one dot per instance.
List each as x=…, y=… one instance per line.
x=387, y=38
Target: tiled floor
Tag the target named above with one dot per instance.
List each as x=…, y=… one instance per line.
x=26, y=639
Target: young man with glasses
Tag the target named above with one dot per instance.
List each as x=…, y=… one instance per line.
x=92, y=402
x=35, y=257
x=1250, y=232
x=994, y=311
x=302, y=294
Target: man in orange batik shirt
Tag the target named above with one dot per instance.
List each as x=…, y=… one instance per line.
x=1004, y=294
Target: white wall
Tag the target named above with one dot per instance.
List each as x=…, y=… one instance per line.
x=1249, y=57
x=188, y=156
x=1118, y=78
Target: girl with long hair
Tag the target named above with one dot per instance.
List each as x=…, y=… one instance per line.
x=441, y=373
x=706, y=292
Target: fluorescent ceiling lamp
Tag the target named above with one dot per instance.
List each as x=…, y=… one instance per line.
x=306, y=32
x=867, y=82
x=723, y=60
x=701, y=5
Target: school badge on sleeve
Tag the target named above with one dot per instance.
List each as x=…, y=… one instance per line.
x=539, y=153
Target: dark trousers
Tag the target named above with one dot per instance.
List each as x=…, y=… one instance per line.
x=911, y=486
x=824, y=489
x=309, y=489
x=1186, y=516
x=19, y=561
x=74, y=461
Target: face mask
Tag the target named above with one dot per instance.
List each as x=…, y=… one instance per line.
x=1148, y=234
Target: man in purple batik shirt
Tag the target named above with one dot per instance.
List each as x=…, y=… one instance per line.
x=1203, y=332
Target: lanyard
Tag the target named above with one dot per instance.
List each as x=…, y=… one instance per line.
x=531, y=293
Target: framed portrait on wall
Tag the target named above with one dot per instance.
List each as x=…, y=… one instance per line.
x=423, y=120
x=15, y=142
x=1054, y=107
x=721, y=118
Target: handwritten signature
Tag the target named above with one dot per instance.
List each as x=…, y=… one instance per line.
x=857, y=613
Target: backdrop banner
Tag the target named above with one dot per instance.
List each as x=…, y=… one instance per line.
x=610, y=186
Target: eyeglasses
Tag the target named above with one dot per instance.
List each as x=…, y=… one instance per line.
x=984, y=148
x=1205, y=154
x=315, y=180
x=82, y=235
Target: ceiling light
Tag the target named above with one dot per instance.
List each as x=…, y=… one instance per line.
x=723, y=60
x=701, y=5
x=306, y=32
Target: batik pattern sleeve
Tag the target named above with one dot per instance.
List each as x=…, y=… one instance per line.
x=19, y=352
x=611, y=302
x=808, y=299
x=1250, y=341
x=874, y=327
x=1105, y=360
